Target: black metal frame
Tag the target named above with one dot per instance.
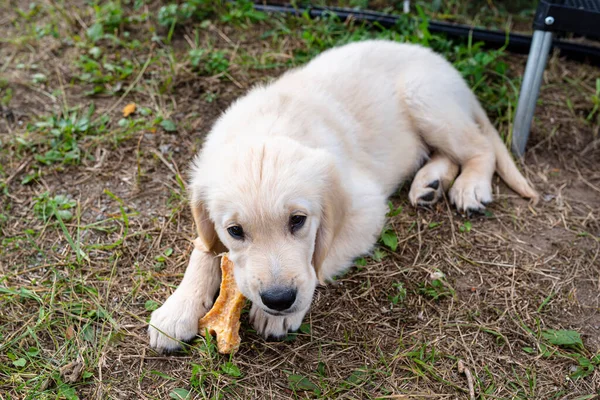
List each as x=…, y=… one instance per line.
x=515, y=43
x=581, y=17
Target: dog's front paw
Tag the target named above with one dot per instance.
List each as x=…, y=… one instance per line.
x=274, y=327
x=175, y=322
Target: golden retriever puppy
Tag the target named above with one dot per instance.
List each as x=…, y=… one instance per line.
x=293, y=179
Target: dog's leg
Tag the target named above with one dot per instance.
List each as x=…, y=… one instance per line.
x=177, y=320
x=463, y=141
x=443, y=113
x=472, y=190
x=432, y=180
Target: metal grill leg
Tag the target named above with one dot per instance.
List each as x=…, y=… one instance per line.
x=530, y=88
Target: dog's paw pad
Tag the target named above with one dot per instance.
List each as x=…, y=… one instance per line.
x=427, y=197
x=434, y=185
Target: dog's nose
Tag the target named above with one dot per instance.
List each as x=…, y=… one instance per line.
x=278, y=299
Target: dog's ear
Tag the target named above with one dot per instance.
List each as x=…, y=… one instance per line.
x=333, y=211
x=204, y=225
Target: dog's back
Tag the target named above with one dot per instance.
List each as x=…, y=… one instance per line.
x=381, y=106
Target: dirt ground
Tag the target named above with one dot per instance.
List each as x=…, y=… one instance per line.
x=76, y=295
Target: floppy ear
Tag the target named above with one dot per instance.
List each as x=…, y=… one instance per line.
x=334, y=208
x=204, y=225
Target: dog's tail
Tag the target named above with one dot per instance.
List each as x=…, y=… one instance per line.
x=505, y=166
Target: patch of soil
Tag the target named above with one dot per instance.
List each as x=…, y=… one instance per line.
x=587, y=294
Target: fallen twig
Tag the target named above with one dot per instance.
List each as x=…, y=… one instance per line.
x=464, y=370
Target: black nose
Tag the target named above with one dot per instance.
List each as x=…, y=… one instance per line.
x=278, y=299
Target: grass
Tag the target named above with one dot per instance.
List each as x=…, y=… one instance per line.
x=95, y=226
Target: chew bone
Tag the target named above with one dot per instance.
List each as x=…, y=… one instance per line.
x=223, y=319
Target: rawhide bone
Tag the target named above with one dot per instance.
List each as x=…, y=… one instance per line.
x=223, y=319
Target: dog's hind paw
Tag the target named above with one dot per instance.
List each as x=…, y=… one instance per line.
x=470, y=196
x=425, y=193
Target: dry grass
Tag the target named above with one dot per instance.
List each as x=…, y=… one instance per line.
x=75, y=295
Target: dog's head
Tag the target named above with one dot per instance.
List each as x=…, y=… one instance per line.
x=276, y=205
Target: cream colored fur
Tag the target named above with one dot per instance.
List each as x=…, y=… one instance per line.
x=332, y=141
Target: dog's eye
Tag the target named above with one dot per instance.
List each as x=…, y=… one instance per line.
x=236, y=232
x=296, y=222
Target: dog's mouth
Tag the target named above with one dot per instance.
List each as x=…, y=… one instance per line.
x=278, y=313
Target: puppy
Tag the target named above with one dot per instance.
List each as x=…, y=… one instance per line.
x=293, y=179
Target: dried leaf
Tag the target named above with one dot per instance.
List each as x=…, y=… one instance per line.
x=71, y=372
x=70, y=333
x=128, y=109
